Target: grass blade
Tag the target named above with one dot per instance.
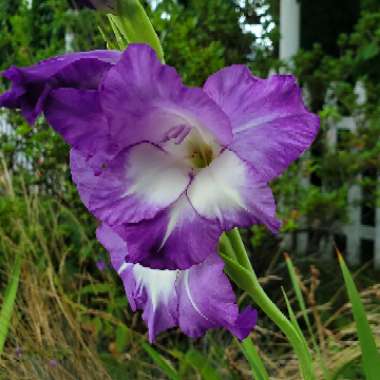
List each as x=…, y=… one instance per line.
x=370, y=354
x=295, y=280
x=259, y=371
x=298, y=292
x=161, y=362
x=9, y=301
x=201, y=364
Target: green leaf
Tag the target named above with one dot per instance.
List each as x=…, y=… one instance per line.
x=293, y=318
x=297, y=290
x=9, y=302
x=368, y=51
x=370, y=354
x=165, y=366
x=123, y=336
x=258, y=369
x=200, y=363
x=96, y=289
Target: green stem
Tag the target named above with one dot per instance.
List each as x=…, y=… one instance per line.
x=134, y=24
x=226, y=246
x=239, y=248
x=245, y=277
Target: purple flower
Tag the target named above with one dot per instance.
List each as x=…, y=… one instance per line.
x=167, y=169
x=18, y=352
x=53, y=363
x=101, y=265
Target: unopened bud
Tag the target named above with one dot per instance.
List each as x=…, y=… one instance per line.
x=102, y=5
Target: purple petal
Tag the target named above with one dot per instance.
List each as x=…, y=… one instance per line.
x=195, y=299
x=113, y=243
x=270, y=123
x=83, y=172
x=231, y=192
x=244, y=323
x=76, y=115
x=101, y=265
x=31, y=85
x=176, y=238
x=206, y=300
x=137, y=184
x=144, y=100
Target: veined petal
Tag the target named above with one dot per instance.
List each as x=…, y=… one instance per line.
x=231, y=192
x=270, y=123
x=85, y=171
x=137, y=184
x=195, y=299
x=76, y=115
x=144, y=100
x=176, y=238
x=206, y=300
x=31, y=85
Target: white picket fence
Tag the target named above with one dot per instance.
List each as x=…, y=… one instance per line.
x=362, y=240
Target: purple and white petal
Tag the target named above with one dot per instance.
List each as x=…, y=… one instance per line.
x=145, y=100
x=230, y=191
x=176, y=238
x=270, y=123
x=195, y=299
x=138, y=183
x=206, y=300
x=31, y=85
x=150, y=290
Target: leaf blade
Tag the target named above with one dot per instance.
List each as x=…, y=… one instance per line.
x=370, y=353
x=9, y=302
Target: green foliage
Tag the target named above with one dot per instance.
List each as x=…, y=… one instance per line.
x=259, y=371
x=201, y=37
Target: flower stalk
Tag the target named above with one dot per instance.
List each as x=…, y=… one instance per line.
x=134, y=25
x=242, y=273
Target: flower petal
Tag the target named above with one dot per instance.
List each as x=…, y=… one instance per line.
x=83, y=173
x=270, y=123
x=231, y=192
x=31, y=85
x=206, y=300
x=176, y=238
x=145, y=99
x=76, y=115
x=137, y=184
x=151, y=290
x=195, y=299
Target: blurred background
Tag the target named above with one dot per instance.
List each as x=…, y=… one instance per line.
x=72, y=320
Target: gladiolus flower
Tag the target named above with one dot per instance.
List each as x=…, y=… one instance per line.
x=167, y=168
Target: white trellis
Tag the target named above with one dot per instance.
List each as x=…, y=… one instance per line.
x=355, y=231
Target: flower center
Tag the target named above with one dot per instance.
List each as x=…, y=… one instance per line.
x=201, y=155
